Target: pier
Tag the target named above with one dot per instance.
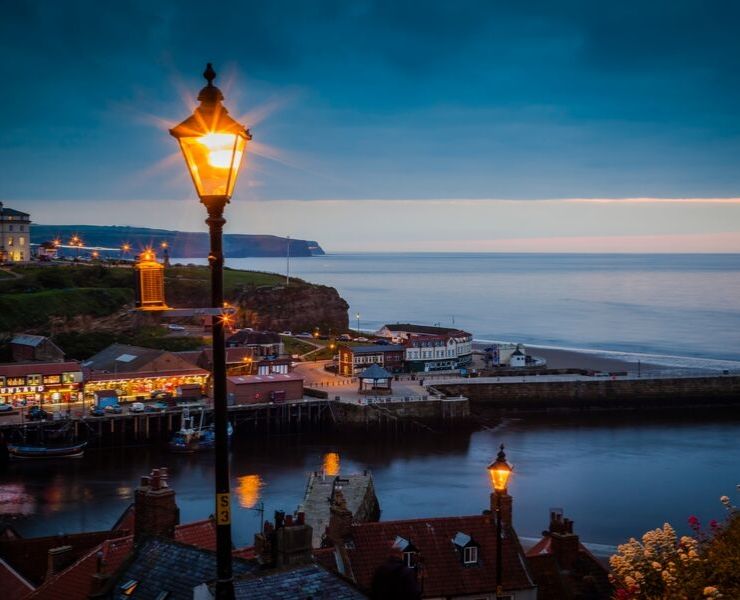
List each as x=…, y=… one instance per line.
x=358, y=491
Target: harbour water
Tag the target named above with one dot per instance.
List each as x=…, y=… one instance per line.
x=671, y=305
x=616, y=476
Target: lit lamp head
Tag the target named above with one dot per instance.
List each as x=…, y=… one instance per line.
x=500, y=470
x=212, y=143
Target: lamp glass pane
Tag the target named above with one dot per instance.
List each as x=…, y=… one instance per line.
x=213, y=160
x=499, y=478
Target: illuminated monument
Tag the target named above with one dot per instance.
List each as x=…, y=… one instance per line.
x=149, y=282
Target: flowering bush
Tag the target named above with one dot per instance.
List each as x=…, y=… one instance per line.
x=663, y=567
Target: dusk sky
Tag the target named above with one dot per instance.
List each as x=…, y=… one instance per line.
x=452, y=126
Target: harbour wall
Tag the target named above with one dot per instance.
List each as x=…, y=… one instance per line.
x=602, y=394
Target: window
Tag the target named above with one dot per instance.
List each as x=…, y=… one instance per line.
x=408, y=559
x=10, y=239
x=470, y=555
x=10, y=227
x=22, y=241
x=68, y=378
x=33, y=380
x=51, y=379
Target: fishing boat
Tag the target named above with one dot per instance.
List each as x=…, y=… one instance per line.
x=192, y=439
x=24, y=451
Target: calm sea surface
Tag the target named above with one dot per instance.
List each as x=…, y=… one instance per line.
x=686, y=305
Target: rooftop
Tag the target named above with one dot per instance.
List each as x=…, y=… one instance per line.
x=442, y=568
x=38, y=368
x=310, y=581
x=375, y=348
x=161, y=565
x=26, y=339
x=375, y=372
x=423, y=329
x=272, y=377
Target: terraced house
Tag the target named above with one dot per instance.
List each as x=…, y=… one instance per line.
x=15, y=235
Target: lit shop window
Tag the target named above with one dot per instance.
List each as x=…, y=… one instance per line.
x=33, y=379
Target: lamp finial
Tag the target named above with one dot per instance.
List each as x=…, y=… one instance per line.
x=209, y=74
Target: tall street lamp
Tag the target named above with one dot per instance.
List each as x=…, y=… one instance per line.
x=213, y=145
x=499, y=471
x=357, y=316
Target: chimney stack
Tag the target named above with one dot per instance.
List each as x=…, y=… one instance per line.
x=564, y=543
x=155, y=509
x=58, y=559
x=287, y=543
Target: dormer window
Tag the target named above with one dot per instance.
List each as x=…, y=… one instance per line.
x=470, y=555
x=408, y=551
x=467, y=548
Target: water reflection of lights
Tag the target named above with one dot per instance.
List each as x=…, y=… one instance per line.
x=331, y=463
x=14, y=500
x=125, y=492
x=248, y=490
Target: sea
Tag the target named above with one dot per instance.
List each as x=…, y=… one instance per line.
x=672, y=309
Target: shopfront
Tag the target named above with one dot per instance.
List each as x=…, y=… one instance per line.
x=139, y=386
x=51, y=385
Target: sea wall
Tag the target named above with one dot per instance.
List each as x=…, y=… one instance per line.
x=609, y=394
x=405, y=415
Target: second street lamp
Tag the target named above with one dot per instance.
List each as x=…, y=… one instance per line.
x=213, y=145
x=499, y=471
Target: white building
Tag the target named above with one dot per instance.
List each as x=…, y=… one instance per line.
x=518, y=358
x=431, y=348
x=15, y=236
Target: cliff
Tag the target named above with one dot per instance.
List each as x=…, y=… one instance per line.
x=297, y=307
x=182, y=244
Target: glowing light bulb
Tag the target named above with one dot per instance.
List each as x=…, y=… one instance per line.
x=221, y=149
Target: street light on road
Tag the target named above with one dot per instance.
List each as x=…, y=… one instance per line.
x=213, y=145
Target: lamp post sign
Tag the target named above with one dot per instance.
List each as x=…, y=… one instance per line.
x=213, y=146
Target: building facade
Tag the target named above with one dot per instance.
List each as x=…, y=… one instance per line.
x=15, y=236
x=429, y=349
x=260, y=389
x=25, y=347
x=40, y=384
x=355, y=359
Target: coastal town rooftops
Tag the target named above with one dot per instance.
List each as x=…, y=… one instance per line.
x=12, y=583
x=266, y=378
x=442, y=564
x=162, y=565
x=26, y=339
x=375, y=348
x=249, y=337
x=310, y=581
x=421, y=329
x=12, y=214
x=38, y=368
x=375, y=372
x=122, y=358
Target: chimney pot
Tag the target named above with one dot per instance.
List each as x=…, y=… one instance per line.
x=289, y=520
x=301, y=518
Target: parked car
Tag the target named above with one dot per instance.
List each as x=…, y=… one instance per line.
x=160, y=395
x=173, y=327
x=97, y=412
x=156, y=407
x=37, y=414
x=137, y=407
x=361, y=339
x=5, y=407
x=114, y=409
x=286, y=333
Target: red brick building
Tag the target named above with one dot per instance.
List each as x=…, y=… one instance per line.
x=258, y=389
x=355, y=359
x=43, y=384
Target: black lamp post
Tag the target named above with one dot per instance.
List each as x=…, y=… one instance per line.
x=213, y=145
x=499, y=470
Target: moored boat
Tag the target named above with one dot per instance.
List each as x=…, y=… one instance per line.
x=26, y=451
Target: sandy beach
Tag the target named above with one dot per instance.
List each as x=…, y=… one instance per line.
x=561, y=358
